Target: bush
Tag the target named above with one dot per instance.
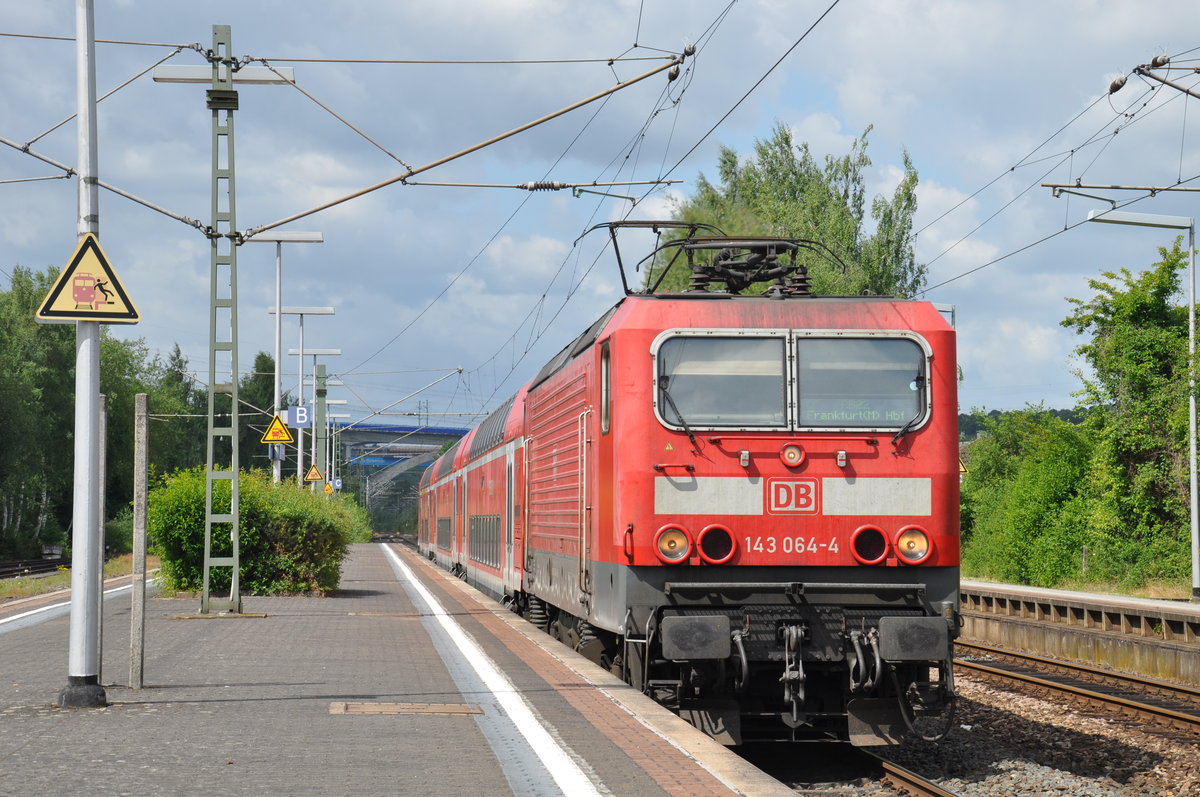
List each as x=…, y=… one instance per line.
x=118, y=534
x=1023, y=519
x=291, y=540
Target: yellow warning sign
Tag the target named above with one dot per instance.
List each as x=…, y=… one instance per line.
x=313, y=474
x=277, y=432
x=328, y=488
x=962, y=466
x=88, y=290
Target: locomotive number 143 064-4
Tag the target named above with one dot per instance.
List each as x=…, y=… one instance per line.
x=790, y=545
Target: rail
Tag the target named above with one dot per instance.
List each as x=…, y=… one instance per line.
x=1172, y=705
x=17, y=568
x=908, y=781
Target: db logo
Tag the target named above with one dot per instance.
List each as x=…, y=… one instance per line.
x=792, y=495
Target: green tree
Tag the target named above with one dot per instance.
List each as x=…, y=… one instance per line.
x=177, y=437
x=125, y=371
x=256, y=396
x=1137, y=352
x=1023, y=496
x=37, y=389
x=783, y=191
x=1111, y=476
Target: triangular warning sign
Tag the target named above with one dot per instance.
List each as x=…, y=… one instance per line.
x=88, y=290
x=313, y=474
x=277, y=432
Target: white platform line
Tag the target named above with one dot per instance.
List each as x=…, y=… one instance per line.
x=562, y=767
x=54, y=606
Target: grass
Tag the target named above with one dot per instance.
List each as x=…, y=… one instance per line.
x=1178, y=589
x=1159, y=590
x=24, y=587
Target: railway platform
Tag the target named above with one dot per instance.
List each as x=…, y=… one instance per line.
x=405, y=681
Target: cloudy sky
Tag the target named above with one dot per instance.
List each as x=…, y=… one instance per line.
x=989, y=98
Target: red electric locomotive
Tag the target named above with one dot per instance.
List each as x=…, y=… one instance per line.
x=746, y=506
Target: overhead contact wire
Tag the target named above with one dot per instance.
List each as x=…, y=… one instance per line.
x=334, y=114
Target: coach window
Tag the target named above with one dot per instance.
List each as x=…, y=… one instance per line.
x=605, y=390
x=715, y=381
x=877, y=383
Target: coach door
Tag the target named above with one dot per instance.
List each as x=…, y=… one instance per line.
x=510, y=575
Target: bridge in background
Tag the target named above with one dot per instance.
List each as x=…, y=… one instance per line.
x=386, y=452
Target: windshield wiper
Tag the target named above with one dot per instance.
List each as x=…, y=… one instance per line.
x=662, y=386
x=912, y=422
x=906, y=428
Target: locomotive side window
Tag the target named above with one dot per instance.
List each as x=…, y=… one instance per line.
x=722, y=381
x=605, y=389
x=859, y=382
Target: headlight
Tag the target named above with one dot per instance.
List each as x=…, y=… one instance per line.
x=715, y=544
x=672, y=544
x=792, y=455
x=913, y=545
x=869, y=545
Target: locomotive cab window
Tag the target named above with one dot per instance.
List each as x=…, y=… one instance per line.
x=722, y=381
x=860, y=382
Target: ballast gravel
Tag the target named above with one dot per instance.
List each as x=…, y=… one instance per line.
x=1007, y=743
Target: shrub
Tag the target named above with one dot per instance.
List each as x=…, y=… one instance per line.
x=118, y=533
x=290, y=539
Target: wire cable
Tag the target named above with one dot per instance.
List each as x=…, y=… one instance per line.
x=751, y=90
x=108, y=94
x=471, y=62
x=1042, y=240
x=193, y=46
x=334, y=114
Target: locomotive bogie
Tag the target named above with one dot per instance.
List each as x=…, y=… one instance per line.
x=747, y=508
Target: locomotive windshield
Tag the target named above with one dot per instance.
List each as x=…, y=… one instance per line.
x=712, y=381
x=859, y=382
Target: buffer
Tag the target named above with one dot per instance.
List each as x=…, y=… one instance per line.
x=88, y=290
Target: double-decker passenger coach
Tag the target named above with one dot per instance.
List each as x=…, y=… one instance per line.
x=744, y=505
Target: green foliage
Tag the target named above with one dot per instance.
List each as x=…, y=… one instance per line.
x=971, y=424
x=256, y=396
x=37, y=364
x=783, y=191
x=291, y=539
x=179, y=407
x=1020, y=498
x=37, y=391
x=1040, y=489
x=118, y=534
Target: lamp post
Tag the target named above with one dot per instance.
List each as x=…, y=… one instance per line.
x=279, y=238
x=1189, y=224
x=331, y=434
x=301, y=311
x=318, y=419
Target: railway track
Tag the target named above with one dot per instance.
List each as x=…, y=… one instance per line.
x=1165, y=704
x=837, y=769
x=29, y=567
x=907, y=781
